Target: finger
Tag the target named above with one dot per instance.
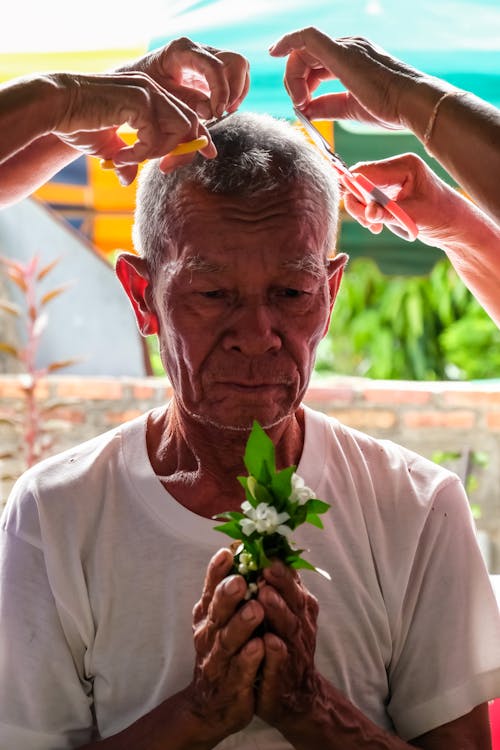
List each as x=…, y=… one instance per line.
x=297, y=73
x=232, y=637
x=199, y=58
x=238, y=77
x=219, y=646
x=170, y=163
x=287, y=583
x=218, y=568
x=306, y=49
x=374, y=212
x=339, y=106
x=242, y=670
x=126, y=175
x=271, y=685
x=281, y=620
x=197, y=100
x=373, y=220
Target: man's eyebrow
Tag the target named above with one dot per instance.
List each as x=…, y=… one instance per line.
x=308, y=263
x=201, y=265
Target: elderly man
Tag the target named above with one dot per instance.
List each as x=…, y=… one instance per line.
x=105, y=546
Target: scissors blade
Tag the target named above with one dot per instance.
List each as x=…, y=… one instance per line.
x=210, y=123
x=319, y=140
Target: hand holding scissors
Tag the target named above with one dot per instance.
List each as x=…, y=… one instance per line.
x=360, y=186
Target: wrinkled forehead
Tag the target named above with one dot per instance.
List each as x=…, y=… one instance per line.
x=291, y=207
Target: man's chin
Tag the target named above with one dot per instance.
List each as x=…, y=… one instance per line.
x=243, y=421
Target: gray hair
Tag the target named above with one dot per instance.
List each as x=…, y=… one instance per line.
x=256, y=153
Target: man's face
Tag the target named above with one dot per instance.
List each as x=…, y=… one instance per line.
x=242, y=302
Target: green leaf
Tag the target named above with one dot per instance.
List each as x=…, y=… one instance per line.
x=315, y=520
x=262, y=495
x=302, y=564
x=281, y=482
x=298, y=514
x=231, y=528
x=262, y=560
x=316, y=506
x=248, y=495
x=259, y=455
x=234, y=515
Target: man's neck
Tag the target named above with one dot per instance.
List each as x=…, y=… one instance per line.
x=199, y=463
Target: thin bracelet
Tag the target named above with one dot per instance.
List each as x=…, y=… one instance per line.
x=432, y=119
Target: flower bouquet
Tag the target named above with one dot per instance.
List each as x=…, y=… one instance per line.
x=277, y=502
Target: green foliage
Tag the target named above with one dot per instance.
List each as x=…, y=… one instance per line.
x=282, y=492
x=409, y=328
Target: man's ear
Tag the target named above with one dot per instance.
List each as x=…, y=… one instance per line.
x=133, y=274
x=335, y=272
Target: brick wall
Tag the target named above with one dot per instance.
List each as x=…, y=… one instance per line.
x=426, y=417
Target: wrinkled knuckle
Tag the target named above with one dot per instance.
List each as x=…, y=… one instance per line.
x=197, y=611
x=222, y=644
x=313, y=606
x=184, y=43
x=199, y=640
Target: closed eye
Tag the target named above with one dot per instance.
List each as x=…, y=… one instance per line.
x=213, y=294
x=291, y=293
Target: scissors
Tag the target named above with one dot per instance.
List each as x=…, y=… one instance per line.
x=360, y=186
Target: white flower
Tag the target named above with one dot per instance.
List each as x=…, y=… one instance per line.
x=251, y=591
x=300, y=493
x=264, y=519
x=246, y=563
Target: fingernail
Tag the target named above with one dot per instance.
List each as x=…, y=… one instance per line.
x=204, y=110
x=220, y=557
x=277, y=570
x=232, y=584
x=374, y=213
x=248, y=613
x=220, y=110
x=122, y=179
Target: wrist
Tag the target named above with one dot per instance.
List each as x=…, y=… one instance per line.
x=418, y=101
x=58, y=95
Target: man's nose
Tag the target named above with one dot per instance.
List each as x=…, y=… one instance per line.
x=251, y=330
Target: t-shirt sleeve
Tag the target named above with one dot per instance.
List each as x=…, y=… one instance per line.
x=44, y=703
x=446, y=657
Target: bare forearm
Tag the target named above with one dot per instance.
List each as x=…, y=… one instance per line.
x=473, y=248
x=334, y=723
x=29, y=154
x=31, y=167
x=170, y=726
x=465, y=138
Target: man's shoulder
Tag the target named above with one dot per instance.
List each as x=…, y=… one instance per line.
x=378, y=456
x=73, y=473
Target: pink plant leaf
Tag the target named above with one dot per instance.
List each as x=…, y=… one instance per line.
x=12, y=350
x=47, y=269
x=54, y=293
x=10, y=307
x=18, y=278
x=63, y=363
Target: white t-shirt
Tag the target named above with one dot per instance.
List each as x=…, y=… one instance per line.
x=100, y=568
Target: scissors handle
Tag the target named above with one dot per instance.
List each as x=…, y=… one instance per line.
x=365, y=191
